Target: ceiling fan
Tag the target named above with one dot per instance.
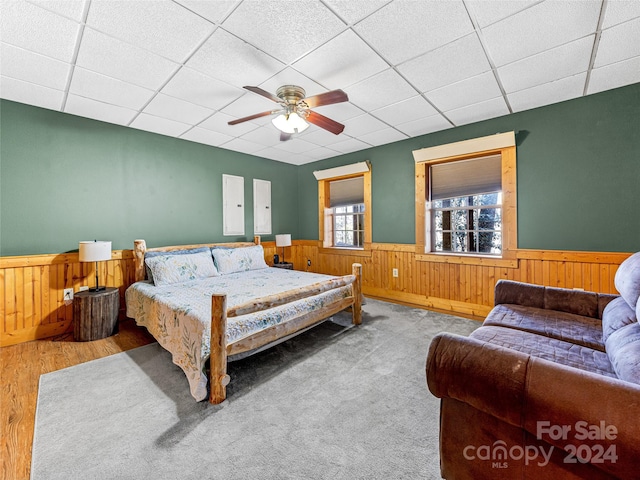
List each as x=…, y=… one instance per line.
x=295, y=110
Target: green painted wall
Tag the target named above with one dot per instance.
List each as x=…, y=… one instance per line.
x=578, y=175
x=65, y=178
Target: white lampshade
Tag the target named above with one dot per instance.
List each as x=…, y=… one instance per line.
x=283, y=240
x=291, y=123
x=94, y=251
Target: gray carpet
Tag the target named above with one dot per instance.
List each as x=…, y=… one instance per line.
x=337, y=402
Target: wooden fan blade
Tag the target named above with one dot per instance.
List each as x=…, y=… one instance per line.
x=325, y=122
x=264, y=93
x=334, y=96
x=251, y=117
x=285, y=136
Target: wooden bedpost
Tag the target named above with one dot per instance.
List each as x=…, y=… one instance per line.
x=357, y=294
x=139, y=247
x=218, y=378
x=256, y=240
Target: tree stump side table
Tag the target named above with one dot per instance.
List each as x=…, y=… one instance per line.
x=95, y=314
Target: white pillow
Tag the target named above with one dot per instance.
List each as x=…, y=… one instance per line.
x=241, y=259
x=167, y=269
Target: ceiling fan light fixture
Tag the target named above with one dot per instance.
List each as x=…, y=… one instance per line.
x=291, y=123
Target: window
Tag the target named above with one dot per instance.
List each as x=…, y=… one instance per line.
x=465, y=206
x=466, y=201
x=348, y=226
x=344, y=201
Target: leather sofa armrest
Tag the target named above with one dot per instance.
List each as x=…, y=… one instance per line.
x=541, y=397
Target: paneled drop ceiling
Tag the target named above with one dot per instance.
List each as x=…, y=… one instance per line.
x=409, y=67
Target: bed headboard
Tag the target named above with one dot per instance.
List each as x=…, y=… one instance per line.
x=140, y=249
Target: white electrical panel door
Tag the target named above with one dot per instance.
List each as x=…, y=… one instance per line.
x=261, y=207
x=232, y=205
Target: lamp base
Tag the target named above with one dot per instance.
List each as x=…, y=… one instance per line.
x=98, y=289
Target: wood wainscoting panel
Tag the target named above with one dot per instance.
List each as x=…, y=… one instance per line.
x=32, y=304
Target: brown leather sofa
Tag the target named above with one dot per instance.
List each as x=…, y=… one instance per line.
x=547, y=388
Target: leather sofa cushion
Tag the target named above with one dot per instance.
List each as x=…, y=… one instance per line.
x=623, y=348
x=571, y=328
x=616, y=315
x=552, y=349
x=627, y=279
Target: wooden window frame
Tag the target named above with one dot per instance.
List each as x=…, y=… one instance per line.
x=325, y=220
x=508, y=258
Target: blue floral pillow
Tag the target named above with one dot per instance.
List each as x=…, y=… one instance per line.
x=167, y=269
x=239, y=259
x=152, y=254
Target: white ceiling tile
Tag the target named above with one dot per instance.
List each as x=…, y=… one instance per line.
x=380, y=90
x=267, y=136
x=404, y=29
x=241, y=145
x=560, y=62
x=212, y=11
x=619, y=11
x=340, y=112
x=348, y=145
x=31, y=67
x=467, y=92
x=289, y=76
x=86, y=107
x=539, y=28
x=163, y=126
x=297, y=27
x=30, y=93
x=165, y=28
x=355, y=127
x=33, y=28
x=320, y=137
x=72, y=9
x=177, y=109
x=233, y=61
x=352, y=11
x=86, y=83
x=614, y=75
x=487, y=12
x=423, y=126
x=382, y=137
x=320, y=153
x=218, y=122
x=495, y=107
x=117, y=59
x=295, y=145
x=619, y=43
x=200, y=89
x=548, y=93
x=249, y=104
x=341, y=62
x=208, y=137
x=456, y=61
x=411, y=109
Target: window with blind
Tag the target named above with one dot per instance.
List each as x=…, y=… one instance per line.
x=466, y=202
x=465, y=206
x=344, y=199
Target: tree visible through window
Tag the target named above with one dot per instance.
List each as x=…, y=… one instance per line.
x=469, y=224
x=348, y=226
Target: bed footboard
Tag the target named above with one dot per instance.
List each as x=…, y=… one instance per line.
x=218, y=377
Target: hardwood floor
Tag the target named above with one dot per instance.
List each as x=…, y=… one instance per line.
x=20, y=369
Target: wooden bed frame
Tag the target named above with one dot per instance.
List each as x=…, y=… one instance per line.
x=220, y=349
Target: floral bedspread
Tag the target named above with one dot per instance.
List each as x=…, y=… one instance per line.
x=179, y=315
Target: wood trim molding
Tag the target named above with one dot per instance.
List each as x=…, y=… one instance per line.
x=466, y=147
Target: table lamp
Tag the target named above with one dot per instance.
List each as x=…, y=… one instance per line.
x=283, y=240
x=96, y=251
